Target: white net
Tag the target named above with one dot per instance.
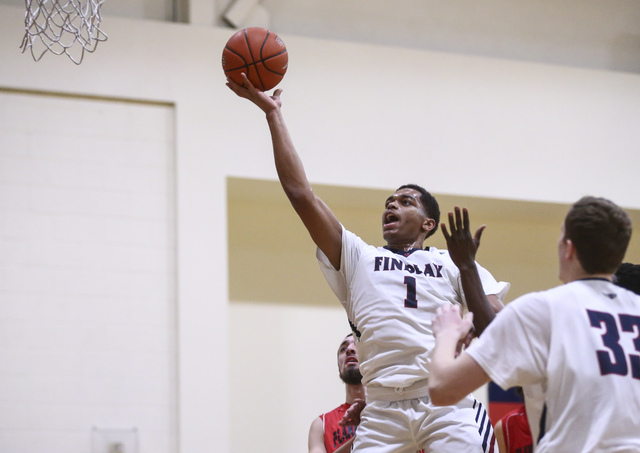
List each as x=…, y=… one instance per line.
x=70, y=27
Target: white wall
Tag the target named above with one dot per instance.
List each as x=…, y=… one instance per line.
x=87, y=238
x=284, y=372
x=459, y=125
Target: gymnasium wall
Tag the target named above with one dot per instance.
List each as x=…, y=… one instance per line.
x=88, y=273
x=242, y=369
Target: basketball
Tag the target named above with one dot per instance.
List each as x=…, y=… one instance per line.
x=257, y=52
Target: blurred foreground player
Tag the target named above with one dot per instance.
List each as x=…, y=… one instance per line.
x=512, y=430
x=578, y=342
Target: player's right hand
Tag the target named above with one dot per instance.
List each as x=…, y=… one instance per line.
x=352, y=415
x=449, y=321
x=260, y=98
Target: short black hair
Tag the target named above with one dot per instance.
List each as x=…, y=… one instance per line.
x=628, y=276
x=600, y=231
x=429, y=202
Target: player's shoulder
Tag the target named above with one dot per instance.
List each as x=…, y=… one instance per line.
x=585, y=289
x=562, y=298
x=530, y=305
x=436, y=255
x=337, y=411
x=349, y=238
x=435, y=251
x=545, y=294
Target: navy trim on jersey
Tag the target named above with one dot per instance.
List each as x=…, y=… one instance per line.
x=404, y=253
x=543, y=422
x=484, y=425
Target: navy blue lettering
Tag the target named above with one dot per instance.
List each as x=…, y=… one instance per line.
x=428, y=270
x=396, y=264
x=614, y=361
x=631, y=324
x=610, y=338
x=386, y=263
x=343, y=434
x=411, y=301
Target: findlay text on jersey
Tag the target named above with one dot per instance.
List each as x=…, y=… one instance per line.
x=386, y=263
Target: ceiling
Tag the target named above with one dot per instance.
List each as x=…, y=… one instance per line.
x=599, y=34
x=602, y=34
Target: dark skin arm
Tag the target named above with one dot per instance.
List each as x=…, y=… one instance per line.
x=462, y=249
x=321, y=223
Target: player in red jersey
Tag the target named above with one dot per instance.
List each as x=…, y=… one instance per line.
x=513, y=433
x=326, y=434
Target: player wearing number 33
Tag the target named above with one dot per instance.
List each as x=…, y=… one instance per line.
x=579, y=343
x=391, y=295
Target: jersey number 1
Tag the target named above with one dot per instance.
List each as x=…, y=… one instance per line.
x=411, y=301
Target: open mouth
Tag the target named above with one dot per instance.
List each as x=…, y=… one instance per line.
x=390, y=217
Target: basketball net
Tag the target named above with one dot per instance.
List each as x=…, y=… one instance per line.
x=68, y=27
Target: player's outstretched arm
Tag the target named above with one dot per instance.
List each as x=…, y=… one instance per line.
x=462, y=249
x=322, y=224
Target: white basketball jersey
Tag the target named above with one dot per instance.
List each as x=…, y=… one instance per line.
x=391, y=300
x=580, y=345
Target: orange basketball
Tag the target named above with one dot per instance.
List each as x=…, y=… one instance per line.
x=257, y=52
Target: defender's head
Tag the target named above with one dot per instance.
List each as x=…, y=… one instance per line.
x=348, y=366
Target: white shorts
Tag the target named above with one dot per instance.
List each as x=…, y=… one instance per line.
x=415, y=424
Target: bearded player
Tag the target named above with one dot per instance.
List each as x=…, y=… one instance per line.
x=326, y=434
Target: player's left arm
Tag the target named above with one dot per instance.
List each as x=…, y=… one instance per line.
x=316, y=437
x=452, y=378
x=500, y=437
x=462, y=249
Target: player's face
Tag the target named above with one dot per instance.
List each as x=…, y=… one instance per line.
x=403, y=219
x=348, y=362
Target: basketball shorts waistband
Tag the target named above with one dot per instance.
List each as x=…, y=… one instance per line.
x=418, y=389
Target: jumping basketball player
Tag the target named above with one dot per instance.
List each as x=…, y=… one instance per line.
x=579, y=343
x=391, y=295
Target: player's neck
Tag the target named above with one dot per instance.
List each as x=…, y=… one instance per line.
x=578, y=273
x=593, y=276
x=406, y=246
x=354, y=391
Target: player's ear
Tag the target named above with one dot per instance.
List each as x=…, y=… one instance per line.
x=428, y=224
x=570, y=251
